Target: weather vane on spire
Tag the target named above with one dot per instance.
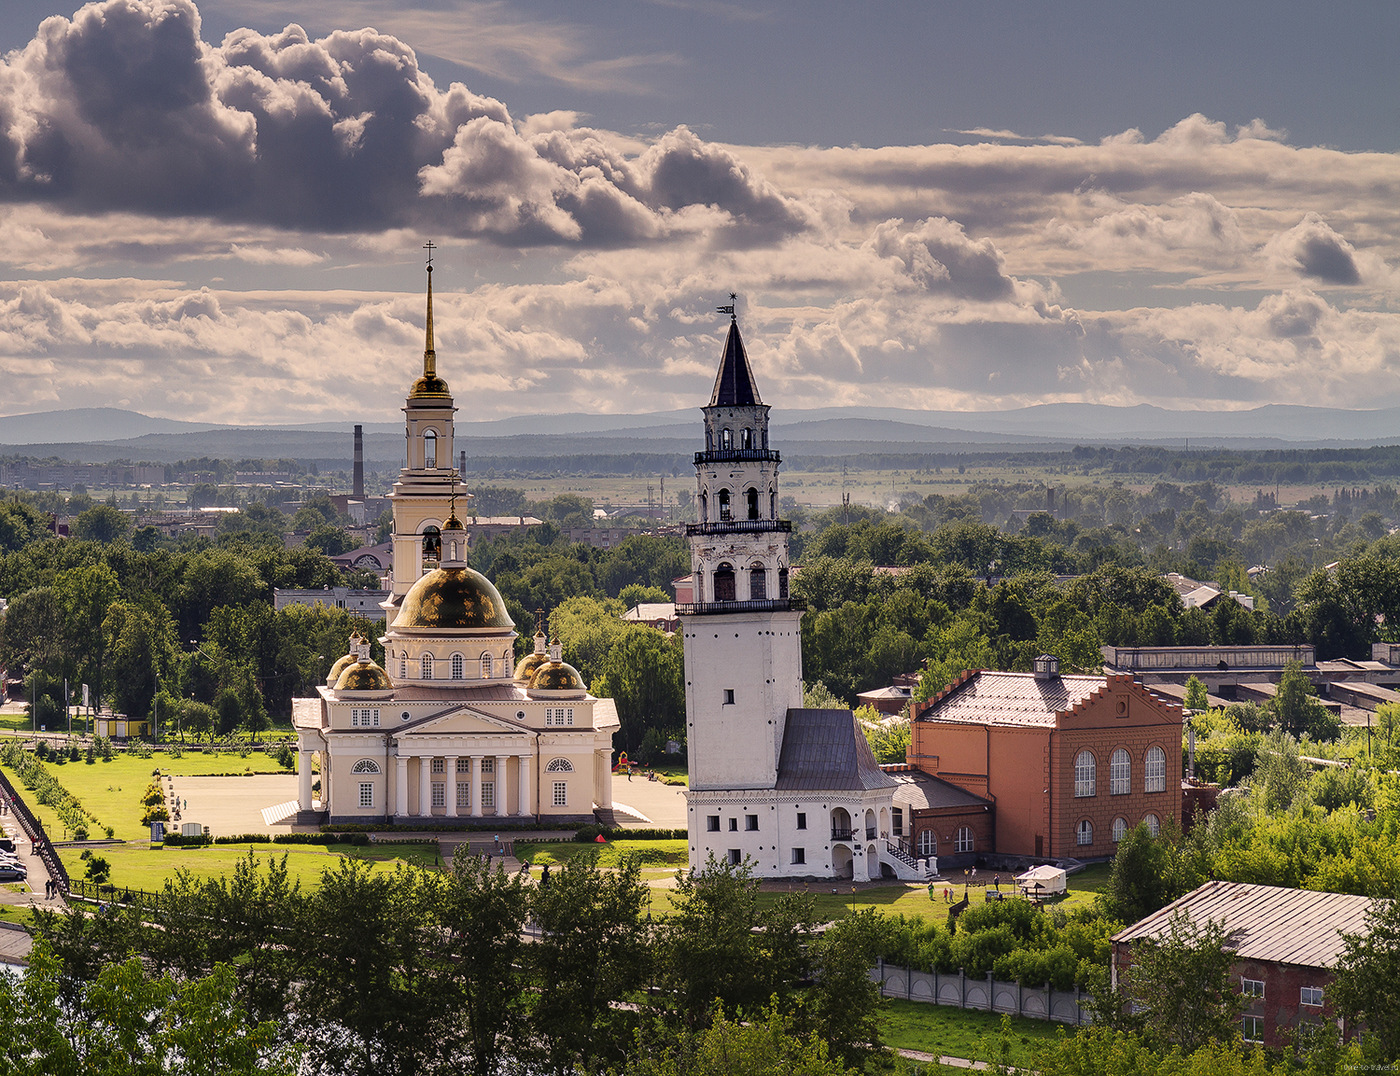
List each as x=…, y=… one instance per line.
x=430, y=246
x=730, y=308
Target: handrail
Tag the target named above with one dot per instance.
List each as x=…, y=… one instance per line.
x=770, y=605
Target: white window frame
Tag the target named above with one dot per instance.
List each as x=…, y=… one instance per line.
x=464, y=794
x=365, y=765
x=1153, y=823
x=1154, y=772
x=928, y=843
x=439, y=765
x=439, y=794
x=559, y=765
x=1252, y=988
x=964, y=841
x=1252, y=1028
x=1084, y=833
x=1120, y=828
x=459, y=667
x=488, y=794
x=1310, y=996
x=712, y=823
x=425, y=667
x=464, y=764
x=1120, y=773
x=799, y=855
x=488, y=764
x=486, y=666
x=1086, y=769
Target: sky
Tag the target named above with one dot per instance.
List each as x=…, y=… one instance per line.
x=217, y=211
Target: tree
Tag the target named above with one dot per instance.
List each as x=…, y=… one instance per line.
x=1197, y=698
x=644, y=672
x=593, y=951
x=329, y=539
x=1367, y=986
x=1182, y=984
x=843, y=1004
x=889, y=737
x=141, y=646
x=1148, y=873
x=1296, y=703
x=101, y=523
x=766, y=1046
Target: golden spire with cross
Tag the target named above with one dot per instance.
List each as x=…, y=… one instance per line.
x=429, y=384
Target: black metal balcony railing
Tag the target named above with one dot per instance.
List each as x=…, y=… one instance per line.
x=771, y=605
x=740, y=526
x=840, y=834
x=739, y=455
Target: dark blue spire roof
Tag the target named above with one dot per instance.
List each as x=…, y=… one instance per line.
x=734, y=385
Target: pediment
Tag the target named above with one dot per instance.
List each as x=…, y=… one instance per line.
x=460, y=720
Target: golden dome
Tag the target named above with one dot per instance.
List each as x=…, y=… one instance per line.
x=364, y=676
x=557, y=676
x=526, y=666
x=341, y=664
x=453, y=598
x=429, y=385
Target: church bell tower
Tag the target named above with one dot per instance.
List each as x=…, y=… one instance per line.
x=741, y=632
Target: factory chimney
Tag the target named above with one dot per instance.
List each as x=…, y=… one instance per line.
x=358, y=487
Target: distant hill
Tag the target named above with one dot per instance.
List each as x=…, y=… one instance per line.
x=103, y=434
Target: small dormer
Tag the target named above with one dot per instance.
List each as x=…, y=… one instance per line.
x=1047, y=667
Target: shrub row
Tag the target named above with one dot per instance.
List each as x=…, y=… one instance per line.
x=36, y=777
x=178, y=841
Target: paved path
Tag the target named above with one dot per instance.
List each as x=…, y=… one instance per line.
x=662, y=806
x=233, y=805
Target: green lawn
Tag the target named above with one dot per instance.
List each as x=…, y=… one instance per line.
x=112, y=790
x=668, y=854
x=942, y=1030
x=141, y=866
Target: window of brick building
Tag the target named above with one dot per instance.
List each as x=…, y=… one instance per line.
x=1085, y=773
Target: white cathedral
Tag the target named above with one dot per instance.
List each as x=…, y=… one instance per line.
x=453, y=731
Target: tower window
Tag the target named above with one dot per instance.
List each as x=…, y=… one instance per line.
x=726, y=439
x=746, y=438
x=457, y=667
x=758, y=583
x=704, y=507
x=725, y=515
x=783, y=583
x=752, y=497
x=486, y=666
x=430, y=449
x=729, y=696
x=426, y=666
x=724, y=583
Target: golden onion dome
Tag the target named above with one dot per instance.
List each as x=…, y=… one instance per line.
x=341, y=664
x=557, y=676
x=453, y=523
x=453, y=598
x=429, y=385
x=525, y=668
x=364, y=676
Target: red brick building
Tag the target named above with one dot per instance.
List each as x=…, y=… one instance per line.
x=1286, y=943
x=1070, y=762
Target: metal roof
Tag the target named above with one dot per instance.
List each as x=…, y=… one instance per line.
x=734, y=385
x=1265, y=922
x=825, y=749
x=921, y=791
x=1005, y=698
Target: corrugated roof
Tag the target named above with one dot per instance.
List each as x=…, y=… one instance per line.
x=1005, y=698
x=826, y=749
x=1265, y=922
x=734, y=385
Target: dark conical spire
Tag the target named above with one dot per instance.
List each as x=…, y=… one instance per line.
x=734, y=385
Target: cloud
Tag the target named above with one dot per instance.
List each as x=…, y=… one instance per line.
x=1314, y=250
x=937, y=255
x=124, y=107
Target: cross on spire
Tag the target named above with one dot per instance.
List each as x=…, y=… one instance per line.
x=430, y=246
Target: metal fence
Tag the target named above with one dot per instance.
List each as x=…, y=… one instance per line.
x=984, y=995
x=35, y=832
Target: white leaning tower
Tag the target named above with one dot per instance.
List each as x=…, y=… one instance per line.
x=794, y=791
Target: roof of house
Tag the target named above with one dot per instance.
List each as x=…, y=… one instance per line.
x=1007, y=698
x=922, y=791
x=651, y=611
x=1265, y=922
x=826, y=749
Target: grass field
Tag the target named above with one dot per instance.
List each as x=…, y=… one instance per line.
x=141, y=866
x=940, y=1030
x=112, y=790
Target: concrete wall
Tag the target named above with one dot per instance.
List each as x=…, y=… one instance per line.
x=985, y=995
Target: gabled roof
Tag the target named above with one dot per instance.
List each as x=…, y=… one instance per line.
x=734, y=385
x=825, y=749
x=1008, y=698
x=1265, y=922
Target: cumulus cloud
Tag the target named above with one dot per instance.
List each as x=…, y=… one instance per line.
x=1314, y=250
x=125, y=107
x=937, y=255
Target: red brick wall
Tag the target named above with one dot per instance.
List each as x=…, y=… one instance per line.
x=944, y=821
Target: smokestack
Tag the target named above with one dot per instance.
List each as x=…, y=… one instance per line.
x=462, y=464
x=358, y=487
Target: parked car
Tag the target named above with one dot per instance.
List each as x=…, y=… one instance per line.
x=12, y=872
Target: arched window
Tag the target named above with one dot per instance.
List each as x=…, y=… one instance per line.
x=365, y=765
x=724, y=583
x=430, y=449
x=697, y=588
x=928, y=843
x=752, y=497
x=783, y=583
x=964, y=839
x=1085, y=773
x=426, y=667
x=559, y=765
x=758, y=583
x=724, y=513
x=403, y=668
x=1153, y=825
x=704, y=507
x=746, y=438
x=486, y=666
x=1084, y=832
x=1155, y=771
x=726, y=439
x=1120, y=829
x=772, y=504
x=457, y=667
x=1120, y=773
x=432, y=543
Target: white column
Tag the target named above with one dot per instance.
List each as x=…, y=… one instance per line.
x=304, y=780
x=401, y=786
x=450, y=766
x=476, y=786
x=425, y=785
x=526, y=786
x=501, y=784
x=602, y=777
